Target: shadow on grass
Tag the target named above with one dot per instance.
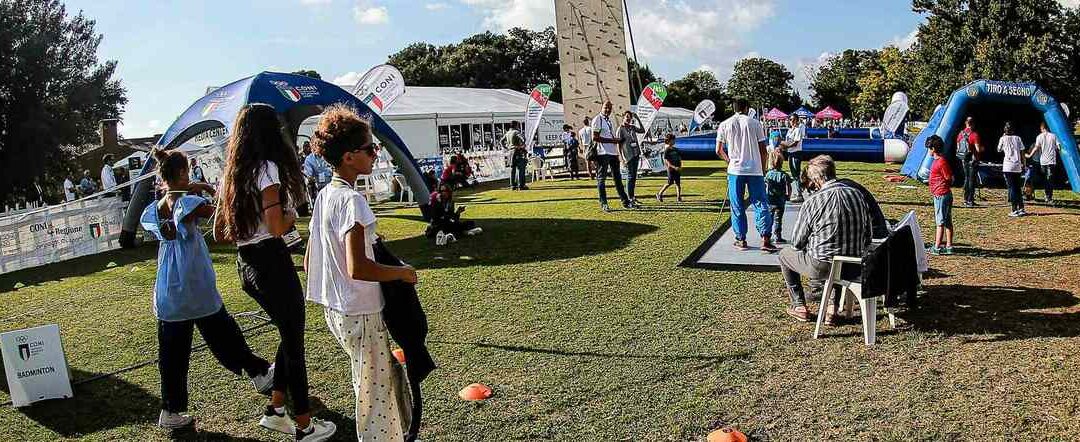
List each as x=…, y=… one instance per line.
x=96, y=406
x=1021, y=253
x=998, y=313
x=554, y=352
x=81, y=266
x=518, y=240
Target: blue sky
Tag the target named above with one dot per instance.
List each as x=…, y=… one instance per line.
x=170, y=51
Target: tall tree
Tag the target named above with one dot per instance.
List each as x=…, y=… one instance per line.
x=53, y=90
x=764, y=83
x=518, y=60
x=635, y=71
x=1010, y=40
x=688, y=91
x=835, y=82
x=882, y=76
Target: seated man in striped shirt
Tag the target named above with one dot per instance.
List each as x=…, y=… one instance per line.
x=834, y=220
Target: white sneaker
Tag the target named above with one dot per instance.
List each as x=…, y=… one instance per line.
x=474, y=231
x=280, y=422
x=440, y=238
x=1014, y=214
x=264, y=383
x=450, y=238
x=1021, y=212
x=318, y=431
x=173, y=420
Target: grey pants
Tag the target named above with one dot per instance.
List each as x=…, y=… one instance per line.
x=797, y=263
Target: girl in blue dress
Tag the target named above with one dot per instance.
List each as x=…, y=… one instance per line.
x=185, y=292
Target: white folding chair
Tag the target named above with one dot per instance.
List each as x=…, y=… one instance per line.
x=850, y=292
x=406, y=190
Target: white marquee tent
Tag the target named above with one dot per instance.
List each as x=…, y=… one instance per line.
x=437, y=120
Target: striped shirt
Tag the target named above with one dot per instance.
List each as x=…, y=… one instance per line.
x=833, y=221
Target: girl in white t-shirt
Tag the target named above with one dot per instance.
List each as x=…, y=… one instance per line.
x=1012, y=164
x=261, y=185
x=344, y=277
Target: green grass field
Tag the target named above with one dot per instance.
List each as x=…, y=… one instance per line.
x=586, y=329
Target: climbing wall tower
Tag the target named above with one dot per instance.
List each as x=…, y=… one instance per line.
x=592, y=57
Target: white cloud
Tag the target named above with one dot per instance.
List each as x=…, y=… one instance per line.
x=347, y=79
x=436, y=6
x=500, y=15
x=371, y=15
x=153, y=124
x=1070, y=3
x=710, y=32
x=802, y=71
x=904, y=43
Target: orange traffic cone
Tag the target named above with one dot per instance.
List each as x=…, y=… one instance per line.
x=399, y=354
x=727, y=434
x=475, y=392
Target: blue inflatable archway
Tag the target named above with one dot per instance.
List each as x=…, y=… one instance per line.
x=993, y=102
x=295, y=98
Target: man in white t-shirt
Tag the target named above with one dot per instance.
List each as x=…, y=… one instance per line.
x=792, y=145
x=607, y=156
x=585, y=139
x=108, y=178
x=69, y=190
x=1046, y=146
x=744, y=141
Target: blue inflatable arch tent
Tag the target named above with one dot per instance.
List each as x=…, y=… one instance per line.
x=296, y=98
x=992, y=103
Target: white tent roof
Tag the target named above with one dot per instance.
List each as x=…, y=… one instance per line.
x=422, y=100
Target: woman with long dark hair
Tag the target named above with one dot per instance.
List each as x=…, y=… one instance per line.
x=261, y=186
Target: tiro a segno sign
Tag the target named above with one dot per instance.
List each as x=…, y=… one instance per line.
x=34, y=364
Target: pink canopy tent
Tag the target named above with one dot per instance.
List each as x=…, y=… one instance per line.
x=828, y=114
x=775, y=114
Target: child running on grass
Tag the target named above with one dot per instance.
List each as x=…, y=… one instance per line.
x=185, y=292
x=673, y=161
x=941, y=178
x=778, y=190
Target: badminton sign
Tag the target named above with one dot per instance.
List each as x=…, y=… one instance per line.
x=35, y=365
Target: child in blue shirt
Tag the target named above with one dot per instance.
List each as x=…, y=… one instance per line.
x=778, y=191
x=185, y=292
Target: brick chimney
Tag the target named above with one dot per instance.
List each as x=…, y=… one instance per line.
x=108, y=133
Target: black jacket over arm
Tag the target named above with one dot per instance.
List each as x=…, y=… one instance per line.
x=405, y=319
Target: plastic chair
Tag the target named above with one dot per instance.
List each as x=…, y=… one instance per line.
x=850, y=291
x=539, y=168
x=406, y=190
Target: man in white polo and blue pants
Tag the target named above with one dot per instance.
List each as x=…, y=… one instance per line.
x=744, y=141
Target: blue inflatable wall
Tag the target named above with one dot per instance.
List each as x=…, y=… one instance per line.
x=1004, y=99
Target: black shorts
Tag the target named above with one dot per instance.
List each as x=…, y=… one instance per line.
x=674, y=177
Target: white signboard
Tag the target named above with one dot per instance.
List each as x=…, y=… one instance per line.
x=35, y=365
x=82, y=227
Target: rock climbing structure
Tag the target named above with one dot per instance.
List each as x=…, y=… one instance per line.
x=592, y=57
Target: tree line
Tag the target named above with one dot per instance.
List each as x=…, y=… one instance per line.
x=54, y=89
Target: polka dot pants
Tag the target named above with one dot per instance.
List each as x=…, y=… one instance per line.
x=382, y=395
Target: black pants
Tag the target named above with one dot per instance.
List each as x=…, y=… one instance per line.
x=1016, y=192
x=631, y=176
x=226, y=342
x=268, y=275
x=778, y=220
x=572, y=166
x=1048, y=181
x=604, y=165
x=517, y=170
x=971, y=171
